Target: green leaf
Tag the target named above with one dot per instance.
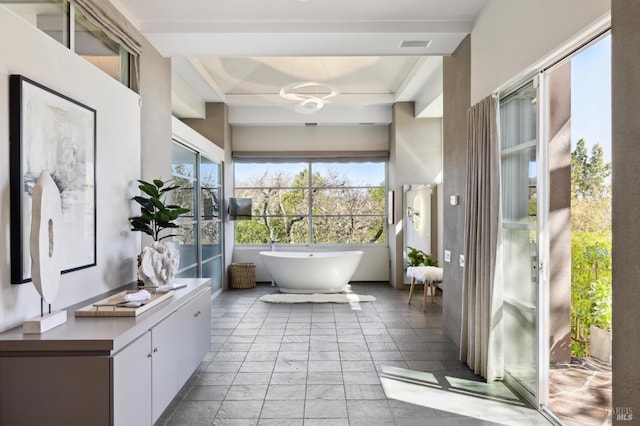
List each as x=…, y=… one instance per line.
x=139, y=220
x=158, y=183
x=147, y=214
x=156, y=202
x=163, y=217
x=175, y=213
x=149, y=189
x=144, y=202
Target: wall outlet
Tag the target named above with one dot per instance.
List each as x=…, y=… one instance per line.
x=447, y=255
x=462, y=260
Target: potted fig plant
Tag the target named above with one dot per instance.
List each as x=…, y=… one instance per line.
x=416, y=257
x=159, y=261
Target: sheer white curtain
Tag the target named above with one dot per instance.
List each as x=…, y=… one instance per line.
x=481, y=337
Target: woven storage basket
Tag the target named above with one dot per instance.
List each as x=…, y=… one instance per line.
x=243, y=275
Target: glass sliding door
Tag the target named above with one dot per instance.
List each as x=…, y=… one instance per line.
x=210, y=221
x=184, y=170
x=518, y=139
x=199, y=236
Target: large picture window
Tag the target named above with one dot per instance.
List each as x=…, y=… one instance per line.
x=312, y=202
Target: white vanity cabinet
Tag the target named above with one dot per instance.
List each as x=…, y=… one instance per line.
x=131, y=383
x=106, y=371
x=172, y=365
x=195, y=322
x=165, y=355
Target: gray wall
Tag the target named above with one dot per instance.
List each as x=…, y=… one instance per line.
x=415, y=157
x=625, y=15
x=155, y=118
x=560, y=214
x=457, y=100
x=215, y=125
x=28, y=51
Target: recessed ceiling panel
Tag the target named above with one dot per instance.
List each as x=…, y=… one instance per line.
x=355, y=75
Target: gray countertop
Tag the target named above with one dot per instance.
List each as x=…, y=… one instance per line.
x=98, y=335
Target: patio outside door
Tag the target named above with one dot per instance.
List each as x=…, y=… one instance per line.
x=518, y=140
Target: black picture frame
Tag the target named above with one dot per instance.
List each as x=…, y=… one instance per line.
x=53, y=132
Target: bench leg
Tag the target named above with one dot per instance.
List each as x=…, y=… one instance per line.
x=413, y=284
x=426, y=291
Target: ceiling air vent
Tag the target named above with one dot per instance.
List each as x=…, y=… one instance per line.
x=415, y=43
x=310, y=124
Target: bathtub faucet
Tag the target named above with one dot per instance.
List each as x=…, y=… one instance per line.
x=272, y=243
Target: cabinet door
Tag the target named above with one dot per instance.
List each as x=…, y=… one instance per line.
x=202, y=316
x=165, y=339
x=55, y=390
x=195, y=320
x=132, y=383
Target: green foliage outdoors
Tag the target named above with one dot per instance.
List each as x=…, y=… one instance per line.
x=590, y=245
x=590, y=286
x=155, y=215
x=341, y=211
x=209, y=230
x=589, y=173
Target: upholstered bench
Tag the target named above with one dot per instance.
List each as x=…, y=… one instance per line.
x=427, y=275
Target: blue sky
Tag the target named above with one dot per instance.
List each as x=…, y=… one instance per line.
x=591, y=96
x=372, y=173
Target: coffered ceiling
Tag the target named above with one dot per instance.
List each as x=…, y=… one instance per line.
x=371, y=52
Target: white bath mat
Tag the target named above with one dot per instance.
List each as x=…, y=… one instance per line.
x=316, y=298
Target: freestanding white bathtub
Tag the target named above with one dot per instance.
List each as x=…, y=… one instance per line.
x=316, y=272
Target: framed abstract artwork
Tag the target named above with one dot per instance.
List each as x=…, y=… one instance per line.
x=51, y=132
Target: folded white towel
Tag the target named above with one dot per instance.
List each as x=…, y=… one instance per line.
x=140, y=296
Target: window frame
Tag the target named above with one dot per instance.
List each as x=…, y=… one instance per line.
x=309, y=188
x=203, y=263
x=69, y=13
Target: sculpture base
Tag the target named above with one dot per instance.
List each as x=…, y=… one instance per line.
x=41, y=324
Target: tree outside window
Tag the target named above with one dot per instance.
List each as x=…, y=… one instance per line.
x=312, y=202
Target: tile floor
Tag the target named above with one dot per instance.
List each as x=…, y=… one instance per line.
x=580, y=392
x=374, y=363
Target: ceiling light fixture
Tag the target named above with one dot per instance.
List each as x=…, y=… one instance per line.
x=308, y=103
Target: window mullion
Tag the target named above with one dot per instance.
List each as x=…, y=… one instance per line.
x=196, y=214
x=71, y=27
x=310, y=202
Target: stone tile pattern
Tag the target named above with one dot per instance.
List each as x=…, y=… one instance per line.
x=316, y=364
x=580, y=392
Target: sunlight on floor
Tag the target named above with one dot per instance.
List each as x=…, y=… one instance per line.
x=490, y=402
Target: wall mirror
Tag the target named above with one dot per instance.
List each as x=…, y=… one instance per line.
x=416, y=218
